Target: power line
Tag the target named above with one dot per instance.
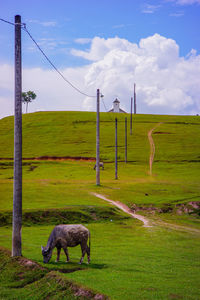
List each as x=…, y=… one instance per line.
x=66, y=80
x=7, y=22
x=104, y=105
x=106, y=108
x=55, y=68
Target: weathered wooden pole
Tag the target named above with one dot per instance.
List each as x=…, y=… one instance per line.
x=131, y=115
x=125, y=140
x=135, y=99
x=116, y=170
x=97, y=141
x=17, y=188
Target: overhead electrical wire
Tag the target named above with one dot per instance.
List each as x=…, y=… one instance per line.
x=50, y=62
x=7, y=22
x=55, y=68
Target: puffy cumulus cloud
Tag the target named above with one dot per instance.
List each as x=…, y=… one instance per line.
x=101, y=46
x=165, y=82
x=53, y=93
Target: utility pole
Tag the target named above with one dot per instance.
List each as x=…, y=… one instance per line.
x=116, y=177
x=17, y=188
x=125, y=140
x=97, y=141
x=134, y=98
x=131, y=115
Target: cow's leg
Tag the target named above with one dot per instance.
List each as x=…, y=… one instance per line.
x=58, y=254
x=64, y=246
x=83, y=249
x=66, y=253
x=88, y=253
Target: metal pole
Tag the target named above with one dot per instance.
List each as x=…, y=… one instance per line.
x=17, y=188
x=131, y=115
x=116, y=177
x=134, y=98
x=125, y=140
x=97, y=142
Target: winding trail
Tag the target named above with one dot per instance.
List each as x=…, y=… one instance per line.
x=146, y=221
x=125, y=208
x=152, y=147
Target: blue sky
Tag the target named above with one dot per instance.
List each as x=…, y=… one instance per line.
x=64, y=27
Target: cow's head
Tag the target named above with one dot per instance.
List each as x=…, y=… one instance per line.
x=46, y=252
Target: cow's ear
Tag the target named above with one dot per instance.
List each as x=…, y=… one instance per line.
x=42, y=248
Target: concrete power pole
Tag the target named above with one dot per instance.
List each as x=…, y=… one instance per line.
x=131, y=116
x=97, y=141
x=17, y=188
x=116, y=166
x=135, y=99
x=125, y=140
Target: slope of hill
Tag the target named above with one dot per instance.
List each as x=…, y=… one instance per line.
x=74, y=134
x=159, y=262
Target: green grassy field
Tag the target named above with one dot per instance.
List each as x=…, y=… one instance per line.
x=73, y=134
x=128, y=260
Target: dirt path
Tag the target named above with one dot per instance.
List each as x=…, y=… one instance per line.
x=125, y=208
x=177, y=227
x=146, y=221
x=152, y=147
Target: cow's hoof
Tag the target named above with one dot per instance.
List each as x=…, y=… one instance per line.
x=56, y=261
x=67, y=261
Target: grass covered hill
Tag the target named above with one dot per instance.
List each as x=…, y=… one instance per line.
x=128, y=261
x=74, y=134
x=176, y=164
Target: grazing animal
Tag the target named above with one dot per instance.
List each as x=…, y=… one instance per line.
x=63, y=236
x=101, y=165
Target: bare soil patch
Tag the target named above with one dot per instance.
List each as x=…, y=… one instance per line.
x=125, y=208
x=161, y=132
x=54, y=158
x=152, y=147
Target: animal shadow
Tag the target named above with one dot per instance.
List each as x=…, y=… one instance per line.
x=73, y=267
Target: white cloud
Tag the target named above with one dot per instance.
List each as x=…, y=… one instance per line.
x=53, y=93
x=177, y=14
x=83, y=41
x=149, y=8
x=101, y=46
x=44, y=23
x=165, y=82
x=184, y=2
x=188, y=2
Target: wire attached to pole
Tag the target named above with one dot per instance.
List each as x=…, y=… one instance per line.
x=23, y=25
x=7, y=22
x=66, y=80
